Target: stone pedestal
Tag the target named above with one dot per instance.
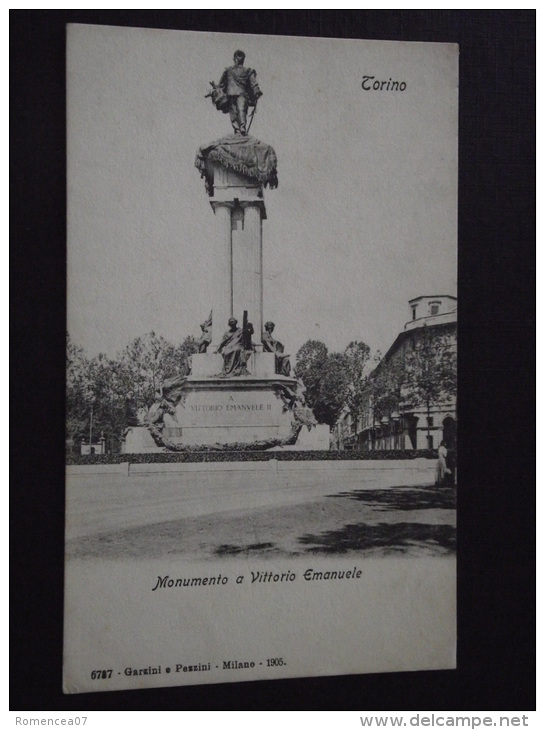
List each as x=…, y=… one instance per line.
x=209, y=365
x=215, y=411
x=138, y=440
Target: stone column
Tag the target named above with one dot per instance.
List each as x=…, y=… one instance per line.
x=253, y=235
x=241, y=247
x=222, y=295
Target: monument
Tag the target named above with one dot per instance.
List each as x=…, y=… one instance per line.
x=239, y=392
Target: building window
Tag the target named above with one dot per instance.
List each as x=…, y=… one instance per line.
x=430, y=421
x=430, y=442
x=434, y=309
x=414, y=312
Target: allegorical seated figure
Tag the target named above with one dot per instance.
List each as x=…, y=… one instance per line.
x=206, y=337
x=236, y=347
x=281, y=360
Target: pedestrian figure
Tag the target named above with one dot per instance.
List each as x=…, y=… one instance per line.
x=451, y=467
x=441, y=469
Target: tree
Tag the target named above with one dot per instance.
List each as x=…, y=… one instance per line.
x=334, y=385
x=110, y=399
x=357, y=356
x=109, y=393
x=385, y=386
x=327, y=377
x=189, y=347
x=430, y=370
x=78, y=389
x=309, y=361
x=150, y=359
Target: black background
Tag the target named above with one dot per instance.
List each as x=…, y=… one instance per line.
x=496, y=567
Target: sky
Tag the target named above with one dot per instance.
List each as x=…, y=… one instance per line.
x=364, y=217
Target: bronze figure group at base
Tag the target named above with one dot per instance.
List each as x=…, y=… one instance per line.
x=236, y=347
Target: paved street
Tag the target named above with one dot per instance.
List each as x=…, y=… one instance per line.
x=258, y=511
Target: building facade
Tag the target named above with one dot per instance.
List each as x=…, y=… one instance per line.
x=397, y=414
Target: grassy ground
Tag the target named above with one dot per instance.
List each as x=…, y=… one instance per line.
x=408, y=521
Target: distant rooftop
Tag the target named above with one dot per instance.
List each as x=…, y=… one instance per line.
x=428, y=306
x=432, y=320
x=433, y=296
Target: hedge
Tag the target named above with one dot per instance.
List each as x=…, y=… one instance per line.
x=215, y=456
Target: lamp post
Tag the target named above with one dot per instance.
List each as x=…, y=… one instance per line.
x=91, y=429
x=91, y=402
x=396, y=422
x=384, y=430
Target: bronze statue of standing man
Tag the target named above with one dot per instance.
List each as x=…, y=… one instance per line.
x=239, y=84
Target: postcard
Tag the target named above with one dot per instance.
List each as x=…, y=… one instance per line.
x=261, y=357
